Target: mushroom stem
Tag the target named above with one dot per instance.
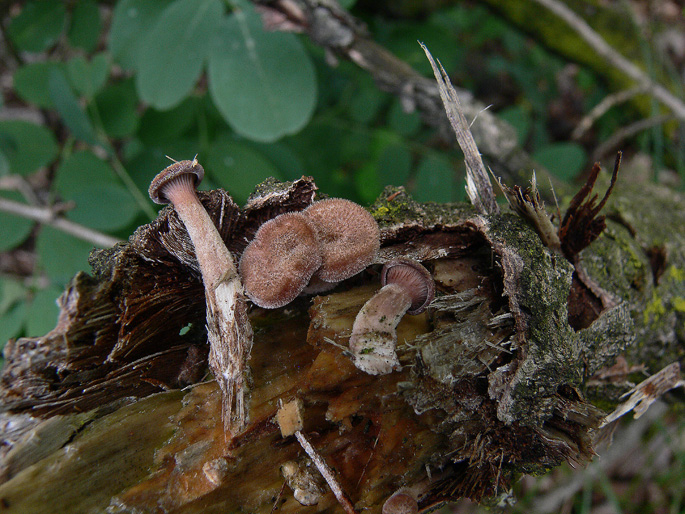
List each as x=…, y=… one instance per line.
x=408, y=288
x=216, y=262
x=373, y=337
x=228, y=328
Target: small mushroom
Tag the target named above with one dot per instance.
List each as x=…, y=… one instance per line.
x=281, y=259
x=349, y=237
x=400, y=503
x=176, y=185
x=408, y=288
x=228, y=328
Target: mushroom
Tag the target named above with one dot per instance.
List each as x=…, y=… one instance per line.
x=349, y=237
x=176, y=185
x=308, y=252
x=228, y=328
x=400, y=502
x=408, y=288
x=278, y=263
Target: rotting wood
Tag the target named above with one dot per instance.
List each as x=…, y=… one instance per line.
x=495, y=381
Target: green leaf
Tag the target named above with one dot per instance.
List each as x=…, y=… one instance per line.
x=367, y=182
x=519, y=118
x=26, y=145
x=116, y=105
x=61, y=255
x=13, y=229
x=174, y=50
x=434, y=180
x=401, y=122
x=106, y=207
x=287, y=162
x=394, y=165
x=366, y=101
x=69, y=109
x=263, y=83
x=11, y=292
x=38, y=25
x=237, y=167
x=88, y=77
x=12, y=322
x=31, y=82
x=565, y=160
x=84, y=30
x=4, y=164
x=130, y=19
x=157, y=126
x=43, y=312
x=81, y=170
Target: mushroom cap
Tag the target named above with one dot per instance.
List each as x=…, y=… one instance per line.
x=414, y=278
x=278, y=263
x=170, y=175
x=400, y=503
x=349, y=237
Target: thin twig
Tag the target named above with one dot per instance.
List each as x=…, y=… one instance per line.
x=628, y=131
x=47, y=216
x=20, y=184
x=326, y=473
x=614, y=58
x=602, y=107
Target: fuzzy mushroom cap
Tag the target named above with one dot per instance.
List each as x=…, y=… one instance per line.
x=278, y=263
x=400, y=503
x=414, y=279
x=182, y=176
x=349, y=237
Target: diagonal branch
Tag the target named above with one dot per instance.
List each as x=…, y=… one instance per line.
x=47, y=216
x=614, y=58
x=342, y=36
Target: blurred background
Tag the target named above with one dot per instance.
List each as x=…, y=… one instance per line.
x=97, y=94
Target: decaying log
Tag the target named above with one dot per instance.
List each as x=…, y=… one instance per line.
x=504, y=374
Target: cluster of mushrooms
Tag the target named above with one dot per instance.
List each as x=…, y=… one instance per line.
x=305, y=253
x=292, y=254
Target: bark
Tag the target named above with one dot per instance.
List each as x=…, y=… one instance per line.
x=506, y=373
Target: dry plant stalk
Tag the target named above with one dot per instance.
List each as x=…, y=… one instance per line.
x=478, y=186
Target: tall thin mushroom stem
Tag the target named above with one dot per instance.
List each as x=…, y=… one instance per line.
x=228, y=328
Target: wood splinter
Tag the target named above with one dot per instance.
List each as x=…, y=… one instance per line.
x=290, y=421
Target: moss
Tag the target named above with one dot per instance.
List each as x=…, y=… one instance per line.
x=678, y=304
x=551, y=346
x=395, y=207
x=675, y=274
x=654, y=309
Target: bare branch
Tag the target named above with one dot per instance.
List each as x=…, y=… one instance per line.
x=602, y=107
x=628, y=131
x=47, y=216
x=614, y=58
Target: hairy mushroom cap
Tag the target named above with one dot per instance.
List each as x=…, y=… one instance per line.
x=414, y=279
x=182, y=176
x=278, y=263
x=349, y=237
x=400, y=503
